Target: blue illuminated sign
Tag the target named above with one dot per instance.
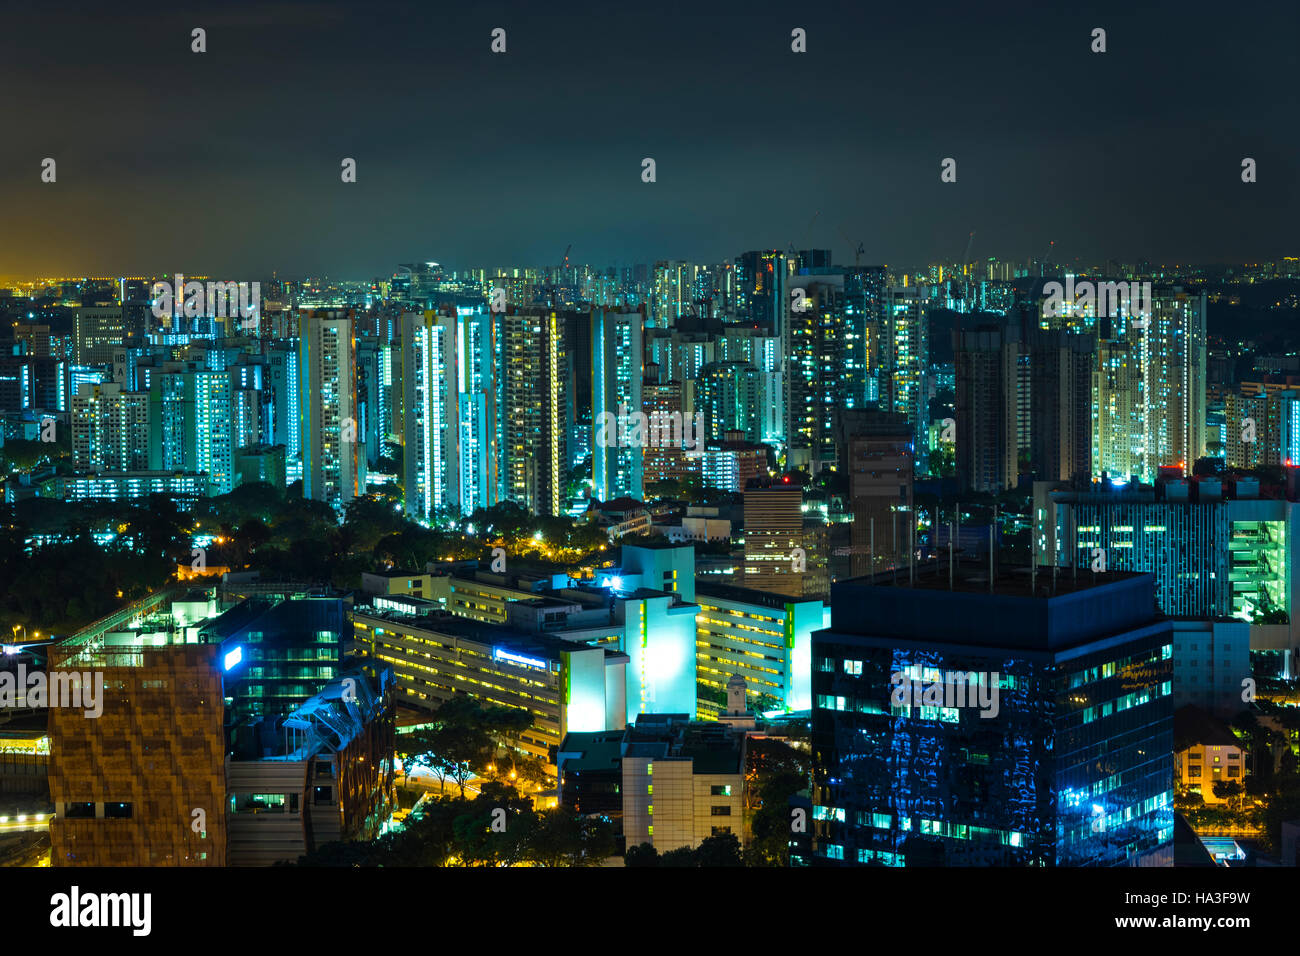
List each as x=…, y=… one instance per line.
x=504, y=655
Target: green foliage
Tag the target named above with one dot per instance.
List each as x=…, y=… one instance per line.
x=715, y=851
x=464, y=737
x=497, y=828
x=643, y=854
x=62, y=586
x=775, y=772
x=24, y=455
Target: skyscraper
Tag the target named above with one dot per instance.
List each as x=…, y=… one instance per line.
x=333, y=458
x=448, y=412
x=987, y=366
x=774, y=537
x=618, y=371
x=730, y=395
x=1060, y=403
x=1173, y=362
x=824, y=342
x=533, y=401
x=192, y=422
x=110, y=429
x=904, y=355
x=1150, y=388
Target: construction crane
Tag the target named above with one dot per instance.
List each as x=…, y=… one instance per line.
x=565, y=264
x=857, y=253
x=965, y=260
x=792, y=252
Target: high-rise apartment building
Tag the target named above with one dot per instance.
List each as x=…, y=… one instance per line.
x=333, y=447
x=1173, y=350
x=192, y=422
x=618, y=372
x=448, y=412
x=110, y=429
x=97, y=331
x=904, y=355
x=1261, y=429
x=1059, y=403
x=1149, y=388
x=987, y=367
x=825, y=345
x=729, y=394
x=533, y=406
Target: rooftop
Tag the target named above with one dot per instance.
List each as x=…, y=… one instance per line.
x=732, y=592
x=1021, y=610
x=1193, y=726
x=541, y=645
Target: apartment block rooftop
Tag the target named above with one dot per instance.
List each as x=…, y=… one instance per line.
x=527, y=643
x=1045, y=611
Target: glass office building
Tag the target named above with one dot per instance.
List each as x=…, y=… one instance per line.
x=1062, y=756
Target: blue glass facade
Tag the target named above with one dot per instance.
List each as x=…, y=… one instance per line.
x=1068, y=764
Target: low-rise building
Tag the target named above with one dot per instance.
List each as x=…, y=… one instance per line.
x=322, y=774
x=765, y=638
x=1206, y=752
x=666, y=780
x=565, y=685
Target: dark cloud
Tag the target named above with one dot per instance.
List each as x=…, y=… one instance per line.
x=229, y=161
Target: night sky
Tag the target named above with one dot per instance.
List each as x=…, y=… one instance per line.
x=228, y=161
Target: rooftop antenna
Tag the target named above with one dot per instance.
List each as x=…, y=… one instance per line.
x=1074, y=558
x=911, y=550
x=1033, y=562
x=893, y=511
x=873, y=548
x=990, y=559
x=951, y=552
x=934, y=534
x=1056, y=562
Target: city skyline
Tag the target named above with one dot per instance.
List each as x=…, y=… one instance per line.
x=740, y=435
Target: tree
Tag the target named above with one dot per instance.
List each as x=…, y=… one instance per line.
x=682, y=856
x=767, y=758
x=1229, y=790
x=643, y=854
x=464, y=736
x=564, y=838
x=774, y=773
x=722, y=849
x=499, y=829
